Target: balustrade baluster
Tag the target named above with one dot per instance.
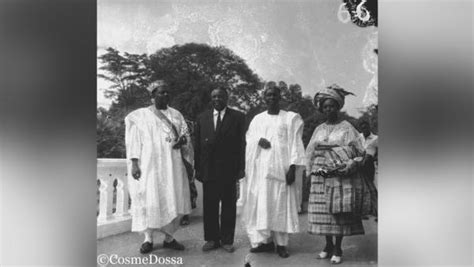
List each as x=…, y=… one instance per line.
x=105, y=197
x=122, y=197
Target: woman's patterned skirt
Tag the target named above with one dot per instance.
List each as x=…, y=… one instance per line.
x=321, y=222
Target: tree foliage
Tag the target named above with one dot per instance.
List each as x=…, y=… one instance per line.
x=292, y=100
x=110, y=136
x=128, y=75
x=371, y=116
x=191, y=71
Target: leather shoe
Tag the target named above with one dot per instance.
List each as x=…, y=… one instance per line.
x=281, y=250
x=210, y=245
x=173, y=245
x=146, y=247
x=184, y=220
x=229, y=248
x=270, y=247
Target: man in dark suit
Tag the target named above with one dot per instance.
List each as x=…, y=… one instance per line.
x=219, y=164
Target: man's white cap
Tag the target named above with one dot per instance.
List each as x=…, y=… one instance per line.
x=154, y=85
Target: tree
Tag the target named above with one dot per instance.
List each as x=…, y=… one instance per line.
x=110, y=136
x=193, y=70
x=371, y=116
x=291, y=99
x=129, y=77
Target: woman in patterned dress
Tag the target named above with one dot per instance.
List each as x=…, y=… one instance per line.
x=328, y=169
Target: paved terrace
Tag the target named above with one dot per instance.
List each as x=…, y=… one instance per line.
x=303, y=247
x=114, y=236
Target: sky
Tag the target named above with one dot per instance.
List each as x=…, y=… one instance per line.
x=302, y=41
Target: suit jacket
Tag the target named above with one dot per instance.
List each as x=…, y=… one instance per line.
x=220, y=155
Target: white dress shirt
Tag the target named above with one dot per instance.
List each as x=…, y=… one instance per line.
x=216, y=113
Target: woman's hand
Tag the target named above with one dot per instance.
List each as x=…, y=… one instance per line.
x=350, y=165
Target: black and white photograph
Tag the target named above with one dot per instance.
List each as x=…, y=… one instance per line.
x=240, y=133
x=237, y=133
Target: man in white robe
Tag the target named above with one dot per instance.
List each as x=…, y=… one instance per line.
x=274, y=149
x=159, y=156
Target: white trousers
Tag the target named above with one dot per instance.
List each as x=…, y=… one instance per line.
x=168, y=229
x=265, y=237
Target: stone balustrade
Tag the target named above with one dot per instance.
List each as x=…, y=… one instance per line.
x=113, y=214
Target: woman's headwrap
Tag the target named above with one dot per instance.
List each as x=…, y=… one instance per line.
x=334, y=92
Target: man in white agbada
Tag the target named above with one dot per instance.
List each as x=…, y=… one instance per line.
x=274, y=148
x=159, y=151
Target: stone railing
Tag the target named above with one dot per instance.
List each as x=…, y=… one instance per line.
x=114, y=216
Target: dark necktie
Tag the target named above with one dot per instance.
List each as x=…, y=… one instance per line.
x=218, y=124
